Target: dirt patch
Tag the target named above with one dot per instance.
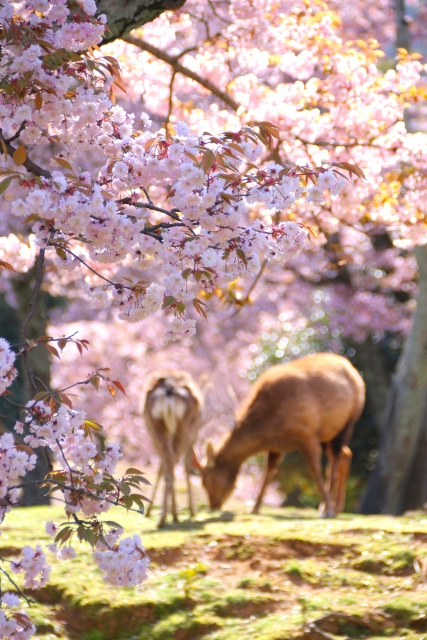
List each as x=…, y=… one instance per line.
x=245, y=547
x=111, y=622
x=166, y=556
x=339, y=623
x=196, y=631
x=7, y=552
x=304, y=549
x=245, y=609
x=380, y=567
x=50, y=594
x=418, y=535
x=420, y=624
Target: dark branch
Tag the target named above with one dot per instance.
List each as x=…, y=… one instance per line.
x=178, y=67
x=143, y=205
x=30, y=166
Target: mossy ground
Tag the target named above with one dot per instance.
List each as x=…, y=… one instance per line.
x=282, y=574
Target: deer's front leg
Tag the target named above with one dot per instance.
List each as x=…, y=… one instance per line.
x=153, y=495
x=188, y=461
x=162, y=520
x=173, y=499
x=273, y=461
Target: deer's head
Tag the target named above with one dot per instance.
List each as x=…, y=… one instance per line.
x=218, y=479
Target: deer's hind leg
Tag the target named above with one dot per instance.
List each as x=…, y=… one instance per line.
x=273, y=461
x=342, y=479
x=168, y=466
x=341, y=463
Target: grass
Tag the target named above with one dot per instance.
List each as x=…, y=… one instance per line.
x=285, y=574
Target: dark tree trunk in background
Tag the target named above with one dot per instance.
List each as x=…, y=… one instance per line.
x=403, y=34
x=415, y=496
x=10, y=323
x=403, y=428
x=125, y=15
x=376, y=374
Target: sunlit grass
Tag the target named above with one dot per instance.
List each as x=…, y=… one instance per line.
x=232, y=575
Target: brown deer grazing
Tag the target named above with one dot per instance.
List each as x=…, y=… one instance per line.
x=172, y=413
x=305, y=405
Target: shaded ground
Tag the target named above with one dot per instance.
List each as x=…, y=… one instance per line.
x=282, y=575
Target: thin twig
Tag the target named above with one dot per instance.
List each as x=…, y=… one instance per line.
x=251, y=288
x=21, y=593
x=170, y=102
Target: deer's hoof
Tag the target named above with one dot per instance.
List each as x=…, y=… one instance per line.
x=328, y=514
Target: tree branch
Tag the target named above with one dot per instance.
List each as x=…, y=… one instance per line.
x=125, y=15
x=144, y=205
x=178, y=67
x=30, y=166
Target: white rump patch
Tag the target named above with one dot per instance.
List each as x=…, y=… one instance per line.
x=170, y=409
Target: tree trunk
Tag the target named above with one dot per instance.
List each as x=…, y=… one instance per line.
x=10, y=323
x=370, y=361
x=403, y=424
x=125, y=15
x=415, y=496
x=403, y=34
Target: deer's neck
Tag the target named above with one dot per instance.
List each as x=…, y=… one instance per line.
x=240, y=445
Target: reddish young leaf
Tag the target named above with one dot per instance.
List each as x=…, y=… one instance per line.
x=119, y=386
x=52, y=350
x=66, y=400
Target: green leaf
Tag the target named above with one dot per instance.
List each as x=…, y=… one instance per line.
x=168, y=301
x=112, y=524
x=4, y=184
x=132, y=470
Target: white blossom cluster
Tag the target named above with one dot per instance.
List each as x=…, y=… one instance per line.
x=63, y=433
x=206, y=241
x=14, y=628
x=14, y=464
x=34, y=567
x=125, y=564
x=7, y=371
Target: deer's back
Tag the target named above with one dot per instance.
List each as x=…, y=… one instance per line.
x=172, y=411
x=316, y=395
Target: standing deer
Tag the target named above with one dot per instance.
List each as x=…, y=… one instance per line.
x=172, y=412
x=305, y=405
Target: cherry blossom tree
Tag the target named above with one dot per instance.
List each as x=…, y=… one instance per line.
x=106, y=215
x=263, y=119
x=339, y=103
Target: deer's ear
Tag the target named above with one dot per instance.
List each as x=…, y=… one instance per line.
x=210, y=454
x=195, y=463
